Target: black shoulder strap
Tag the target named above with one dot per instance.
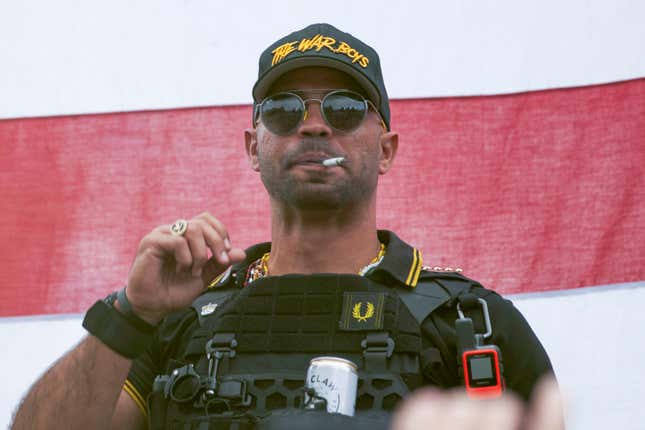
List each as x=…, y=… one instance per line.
x=462, y=291
x=433, y=291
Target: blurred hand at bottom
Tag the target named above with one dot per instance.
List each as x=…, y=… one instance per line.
x=454, y=410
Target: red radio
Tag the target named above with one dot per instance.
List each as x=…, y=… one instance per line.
x=481, y=364
x=482, y=372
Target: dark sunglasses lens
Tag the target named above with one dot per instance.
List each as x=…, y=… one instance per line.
x=281, y=113
x=344, y=110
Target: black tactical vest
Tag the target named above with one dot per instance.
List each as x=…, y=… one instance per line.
x=245, y=365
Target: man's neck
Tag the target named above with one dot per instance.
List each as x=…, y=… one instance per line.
x=322, y=244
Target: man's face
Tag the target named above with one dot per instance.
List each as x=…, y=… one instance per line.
x=290, y=166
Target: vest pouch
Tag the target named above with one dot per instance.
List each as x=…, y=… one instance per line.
x=381, y=391
x=433, y=368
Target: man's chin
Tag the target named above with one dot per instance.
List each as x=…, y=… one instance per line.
x=316, y=200
x=323, y=195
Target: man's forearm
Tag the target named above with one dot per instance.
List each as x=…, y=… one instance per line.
x=79, y=391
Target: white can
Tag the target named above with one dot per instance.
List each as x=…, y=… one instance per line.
x=335, y=380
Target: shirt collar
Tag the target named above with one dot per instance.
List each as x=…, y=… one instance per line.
x=402, y=263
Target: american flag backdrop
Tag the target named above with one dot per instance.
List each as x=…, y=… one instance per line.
x=522, y=144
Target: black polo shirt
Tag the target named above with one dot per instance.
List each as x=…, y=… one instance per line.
x=525, y=360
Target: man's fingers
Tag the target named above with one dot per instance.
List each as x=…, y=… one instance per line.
x=182, y=254
x=191, y=250
x=455, y=410
x=546, y=411
x=200, y=234
x=216, y=244
x=417, y=410
x=213, y=267
x=198, y=246
x=161, y=244
x=463, y=412
x=236, y=255
x=503, y=413
x=218, y=227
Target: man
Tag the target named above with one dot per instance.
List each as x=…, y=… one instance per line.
x=194, y=341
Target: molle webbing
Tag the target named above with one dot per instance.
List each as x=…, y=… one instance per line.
x=267, y=332
x=302, y=314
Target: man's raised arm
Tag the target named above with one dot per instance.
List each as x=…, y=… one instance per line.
x=84, y=388
x=81, y=390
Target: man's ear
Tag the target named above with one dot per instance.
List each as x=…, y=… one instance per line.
x=251, y=146
x=389, y=144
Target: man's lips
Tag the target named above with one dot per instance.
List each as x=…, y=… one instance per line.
x=309, y=159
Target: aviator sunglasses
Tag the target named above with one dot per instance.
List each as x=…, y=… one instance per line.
x=342, y=110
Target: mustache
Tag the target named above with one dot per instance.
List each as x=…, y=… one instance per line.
x=308, y=146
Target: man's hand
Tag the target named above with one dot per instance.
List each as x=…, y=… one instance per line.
x=454, y=410
x=170, y=271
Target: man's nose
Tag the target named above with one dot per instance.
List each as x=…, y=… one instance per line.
x=313, y=123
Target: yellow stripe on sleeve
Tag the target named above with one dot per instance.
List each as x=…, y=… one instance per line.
x=129, y=388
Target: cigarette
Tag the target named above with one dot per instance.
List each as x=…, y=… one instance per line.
x=337, y=161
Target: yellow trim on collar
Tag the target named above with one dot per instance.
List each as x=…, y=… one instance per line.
x=415, y=269
x=381, y=254
x=216, y=280
x=129, y=388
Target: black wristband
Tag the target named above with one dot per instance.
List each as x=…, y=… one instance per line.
x=124, y=303
x=126, y=334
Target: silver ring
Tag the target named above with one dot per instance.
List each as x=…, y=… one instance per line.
x=179, y=227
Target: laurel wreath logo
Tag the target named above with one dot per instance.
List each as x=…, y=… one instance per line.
x=356, y=311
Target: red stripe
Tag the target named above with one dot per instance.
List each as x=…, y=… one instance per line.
x=526, y=192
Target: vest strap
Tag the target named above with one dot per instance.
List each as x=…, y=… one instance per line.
x=220, y=348
x=424, y=299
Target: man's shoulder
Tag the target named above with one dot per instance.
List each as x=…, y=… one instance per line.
x=458, y=286
x=435, y=289
x=451, y=279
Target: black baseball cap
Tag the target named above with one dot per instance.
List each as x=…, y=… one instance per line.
x=324, y=45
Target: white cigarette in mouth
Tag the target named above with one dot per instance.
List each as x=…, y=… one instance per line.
x=337, y=161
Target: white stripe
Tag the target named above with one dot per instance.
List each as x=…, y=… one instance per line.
x=593, y=336
x=69, y=57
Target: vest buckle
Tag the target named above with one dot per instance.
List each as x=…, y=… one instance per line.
x=377, y=348
x=221, y=395
x=220, y=347
x=220, y=344
x=377, y=344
